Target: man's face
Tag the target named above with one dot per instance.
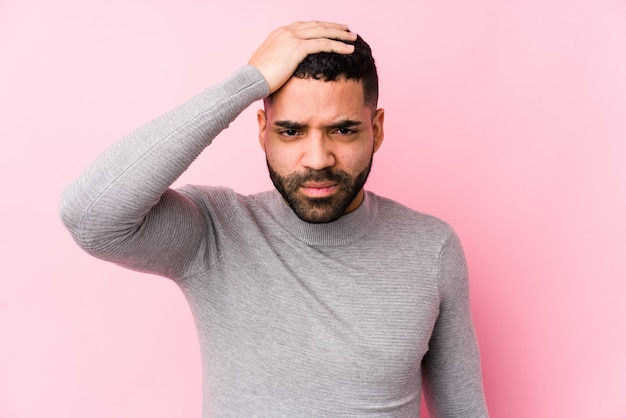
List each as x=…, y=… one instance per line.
x=319, y=138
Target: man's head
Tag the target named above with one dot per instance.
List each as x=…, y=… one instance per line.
x=319, y=132
x=328, y=66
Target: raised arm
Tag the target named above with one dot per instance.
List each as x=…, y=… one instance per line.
x=121, y=208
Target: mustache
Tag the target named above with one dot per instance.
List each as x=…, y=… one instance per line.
x=318, y=176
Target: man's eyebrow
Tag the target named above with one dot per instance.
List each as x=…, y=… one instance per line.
x=342, y=124
x=289, y=124
x=347, y=123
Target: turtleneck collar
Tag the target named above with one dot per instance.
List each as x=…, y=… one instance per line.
x=343, y=231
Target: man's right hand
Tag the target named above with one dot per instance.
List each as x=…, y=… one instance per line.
x=285, y=48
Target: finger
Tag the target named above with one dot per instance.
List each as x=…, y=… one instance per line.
x=338, y=34
x=328, y=45
x=312, y=30
x=317, y=23
x=324, y=32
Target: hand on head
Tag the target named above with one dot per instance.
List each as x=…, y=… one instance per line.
x=278, y=57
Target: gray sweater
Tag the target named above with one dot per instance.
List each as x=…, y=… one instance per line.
x=294, y=319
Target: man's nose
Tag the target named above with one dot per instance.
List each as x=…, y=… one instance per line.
x=318, y=153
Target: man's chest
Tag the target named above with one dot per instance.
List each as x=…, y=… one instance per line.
x=316, y=320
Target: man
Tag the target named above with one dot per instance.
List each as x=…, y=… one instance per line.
x=320, y=299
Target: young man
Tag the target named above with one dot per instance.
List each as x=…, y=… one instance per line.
x=318, y=299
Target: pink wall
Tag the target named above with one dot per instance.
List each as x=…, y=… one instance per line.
x=508, y=119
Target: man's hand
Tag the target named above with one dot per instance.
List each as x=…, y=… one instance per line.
x=278, y=57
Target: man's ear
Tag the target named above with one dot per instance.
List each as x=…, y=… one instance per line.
x=261, y=118
x=378, y=130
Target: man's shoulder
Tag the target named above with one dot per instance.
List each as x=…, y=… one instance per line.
x=207, y=193
x=402, y=218
x=223, y=197
x=390, y=206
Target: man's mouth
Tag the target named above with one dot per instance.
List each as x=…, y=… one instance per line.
x=318, y=190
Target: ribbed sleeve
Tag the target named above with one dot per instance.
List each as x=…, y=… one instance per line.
x=118, y=209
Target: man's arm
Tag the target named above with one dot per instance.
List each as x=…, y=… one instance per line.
x=451, y=368
x=121, y=208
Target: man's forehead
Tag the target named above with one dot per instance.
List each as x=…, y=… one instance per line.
x=307, y=97
x=312, y=88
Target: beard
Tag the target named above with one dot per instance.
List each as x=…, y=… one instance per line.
x=323, y=209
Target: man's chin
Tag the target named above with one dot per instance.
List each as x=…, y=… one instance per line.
x=317, y=211
x=317, y=218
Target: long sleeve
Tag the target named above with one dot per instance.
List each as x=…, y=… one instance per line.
x=451, y=368
x=121, y=208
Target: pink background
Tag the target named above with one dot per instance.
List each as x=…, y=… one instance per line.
x=507, y=119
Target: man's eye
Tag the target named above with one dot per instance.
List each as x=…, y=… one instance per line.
x=289, y=132
x=345, y=131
